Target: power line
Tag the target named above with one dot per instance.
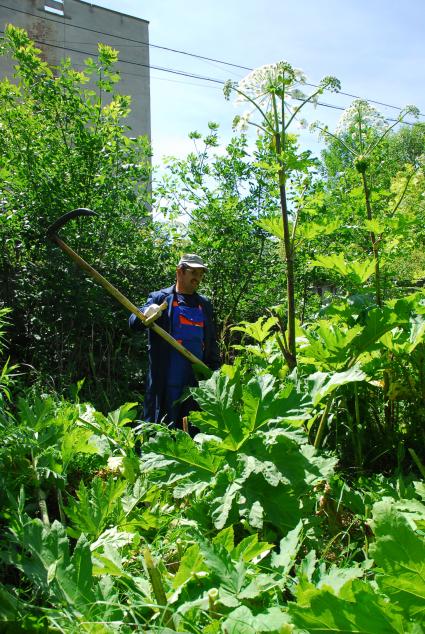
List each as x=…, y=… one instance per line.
x=210, y=59
x=187, y=74
x=175, y=71
x=127, y=39
x=213, y=62
x=127, y=61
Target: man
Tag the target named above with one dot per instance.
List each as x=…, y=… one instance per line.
x=189, y=319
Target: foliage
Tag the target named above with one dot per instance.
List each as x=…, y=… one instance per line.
x=353, y=605
x=399, y=552
x=7, y=372
x=296, y=505
x=264, y=479
x=64, y=144
x=369, y=189
x=245, y=527
x=201, y=577
x=276, y=92
x=212, y=201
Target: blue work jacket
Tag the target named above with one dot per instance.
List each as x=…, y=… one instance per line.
x=159, y=350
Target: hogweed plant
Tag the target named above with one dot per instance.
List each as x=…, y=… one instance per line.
x=360, y=136
x=276, y=95
x=361, y=130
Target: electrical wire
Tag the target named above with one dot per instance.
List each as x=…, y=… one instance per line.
x=180, y=72
x=192, y=76
x=127, y=61
x=128, y=39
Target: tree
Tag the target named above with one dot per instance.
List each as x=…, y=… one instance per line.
x=62, y=147
x=214, y=201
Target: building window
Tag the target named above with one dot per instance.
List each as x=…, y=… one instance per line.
x=54, y=6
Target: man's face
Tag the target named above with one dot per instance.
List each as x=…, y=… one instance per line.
x=189, y=279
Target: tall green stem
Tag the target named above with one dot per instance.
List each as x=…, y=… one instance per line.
x=417, y=461
x=356, y=429
x=43, y=506
x=290, y=275
x=157, y=586
x=373, y=241
x=322, y=425
x=378, y=295
x=289, y=257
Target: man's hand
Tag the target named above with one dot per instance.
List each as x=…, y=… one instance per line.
x=152, y=313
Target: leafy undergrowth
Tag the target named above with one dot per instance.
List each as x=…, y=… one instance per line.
x=114, y=525
x=246, y=528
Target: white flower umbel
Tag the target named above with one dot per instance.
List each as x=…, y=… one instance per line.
x=262, y=82
x=361, y=128
x=302, y=124
x=272, y=83
x=360, y=112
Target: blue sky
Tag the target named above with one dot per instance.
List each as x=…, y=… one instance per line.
x=376, y=49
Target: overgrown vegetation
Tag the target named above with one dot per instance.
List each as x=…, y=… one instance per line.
x=300, y=505
x=62, y=147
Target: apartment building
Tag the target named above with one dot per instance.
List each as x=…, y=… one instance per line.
x=73, y=28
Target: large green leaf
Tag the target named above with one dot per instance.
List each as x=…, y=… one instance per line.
x=77, y=439
x=329, y=344
x=191, y=564
x=226, y=538
x=400, y=553
x=378, y=322
x=236, y=581
x=413, y=510
x=219, y=415
x=358, y=271
x=106, y=555
x=64, y=577
x=45, y=559
x=95, y=507
x=181, y=462
x=288, y=550
x=258, y=330
x=336, y=577
x=395, y=326
x=273, y=225
x=377, y=226
x=260, y=400
x=271, y=481
x=358, y=609
x=242, y=621
x=42, y=548
x=417, y=332
x=405, y=339
x=250, y=548
x=230, y=575
x=313, y=230
x=76, y=579
x=227, y=490
x=323, y=383
x=270, y=476
x=420, y=489
x=123, y=415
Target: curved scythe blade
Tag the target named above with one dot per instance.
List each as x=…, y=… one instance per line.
x=60, y=222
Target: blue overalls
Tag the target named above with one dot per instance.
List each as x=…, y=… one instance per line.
x=188, y=328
